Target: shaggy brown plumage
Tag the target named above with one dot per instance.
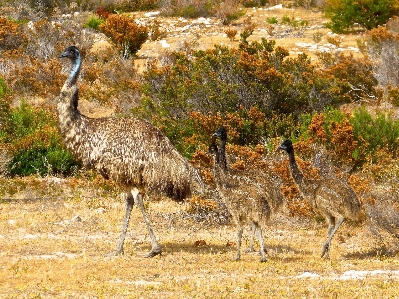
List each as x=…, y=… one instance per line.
x=331, y=197
x=247, y=201
x=130, y=151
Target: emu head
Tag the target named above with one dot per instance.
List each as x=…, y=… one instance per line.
x=221, y=133
x=286, y=145
x=71, y=52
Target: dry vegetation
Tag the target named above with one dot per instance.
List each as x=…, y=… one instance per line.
x=55, y=248
x=55, y=232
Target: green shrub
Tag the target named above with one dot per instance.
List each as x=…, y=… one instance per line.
x=286, y=20
x=272, y=20
x=376, y=133
x=94, y=23
x=37, y=145
x=367, y=13
x=4, y=106
x=43, y=160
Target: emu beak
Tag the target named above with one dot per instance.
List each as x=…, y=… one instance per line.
x=216, y=135
x=64, y=54
x=280, y=147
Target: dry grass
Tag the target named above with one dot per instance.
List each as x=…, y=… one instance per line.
x=54, y=235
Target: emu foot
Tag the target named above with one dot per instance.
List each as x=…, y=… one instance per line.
x=263, y=259
x=326, y=251
x=115, y=253
x=154, y=251
x=236, y=258
x=249, y=250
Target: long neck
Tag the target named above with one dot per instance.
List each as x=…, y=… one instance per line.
x=306, y=187
x=75, y=70
x=222, y=155
x=220, y=166
x=68, y=100
x=295, y=171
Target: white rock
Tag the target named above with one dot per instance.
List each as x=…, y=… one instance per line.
x=308, y=275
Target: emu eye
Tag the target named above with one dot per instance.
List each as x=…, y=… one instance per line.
x=71, y=51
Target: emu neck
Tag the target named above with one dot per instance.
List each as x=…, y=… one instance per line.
x=222, y=155
x=68, y=99
x=295, y=171
x=75, y=70
x=220, y=164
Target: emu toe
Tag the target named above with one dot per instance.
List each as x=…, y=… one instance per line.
x=326, y=251
x=115, y=253
x=263, y=260
x=154, y=251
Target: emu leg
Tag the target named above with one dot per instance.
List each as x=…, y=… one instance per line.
x=262, y=244
x=251, y=245
x=129, y=207
x=239, y=236
x=138, y=199
x=331, y=232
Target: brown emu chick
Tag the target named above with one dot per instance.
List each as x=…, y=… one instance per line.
x=129, y=151
x=332, y=198
x=246, y=200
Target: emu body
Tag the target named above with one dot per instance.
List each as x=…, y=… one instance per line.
x=247, y=201
x=129, y=151
x=335, y=200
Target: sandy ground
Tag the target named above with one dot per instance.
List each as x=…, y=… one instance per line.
x=54, y=238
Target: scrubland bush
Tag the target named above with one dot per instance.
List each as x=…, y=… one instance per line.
x=382, y=46
x=34, y=68
x=393, y=95
x=231, y=33
x=188, y=8
x=4, y=105
x=11, y=34
x=368, y=14
x=353, y=140
x=254, y=3
x=259, y=76
x=35, y=142
x=257, y=90
x=226, y=11
x=272, y=20
x=353, y=78
x=125, y=33
x=128, y=5
x=111, y=83
x=94, y=23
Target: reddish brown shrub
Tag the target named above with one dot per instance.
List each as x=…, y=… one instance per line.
x=11, y=35
x=125, y=33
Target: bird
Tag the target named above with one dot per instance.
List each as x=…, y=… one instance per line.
x=130, y=151
x=247, y=201
x=333, y=198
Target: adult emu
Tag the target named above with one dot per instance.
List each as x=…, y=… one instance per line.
x=129, y=151
x=331, y=197
x=247, y=200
